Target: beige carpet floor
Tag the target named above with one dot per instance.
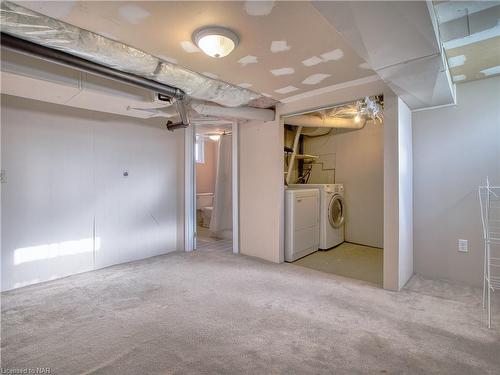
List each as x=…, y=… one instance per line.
x=212, y=312
x=349, y=260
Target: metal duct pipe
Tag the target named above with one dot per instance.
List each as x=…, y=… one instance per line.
x=324, y=122
x=246, y=113
x=174, y=126
x=62, y=58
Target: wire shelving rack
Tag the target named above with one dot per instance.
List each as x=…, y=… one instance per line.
x=489, y=198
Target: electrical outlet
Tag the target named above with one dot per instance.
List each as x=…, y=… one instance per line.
x=463, y=246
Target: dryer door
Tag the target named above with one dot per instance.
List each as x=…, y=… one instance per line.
x=336, y=211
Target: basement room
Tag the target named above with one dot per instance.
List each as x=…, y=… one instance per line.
x=250, y=187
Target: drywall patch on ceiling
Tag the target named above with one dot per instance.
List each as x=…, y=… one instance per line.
x=328, y=89
x=168, y=59
x=210, y=75
x=459, y=77
x=334, y=55
x=311, y=61
x=315, y=79
x=286, y=90
x=451, y=10
x=474, y=38
x=244, y=61
x=282, y=71
x=491, y=71
x=133, y=13
x=259, y=8
x=364, y=65
x=279, y=46
x=245, y=85
x=456, y=61
x=189, y=47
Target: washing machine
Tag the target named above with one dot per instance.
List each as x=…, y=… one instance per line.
x=332, y=213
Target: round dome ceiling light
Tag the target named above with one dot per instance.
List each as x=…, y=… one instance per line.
x=215, y=41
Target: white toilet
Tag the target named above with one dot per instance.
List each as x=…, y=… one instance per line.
x=204, y=205
x=206, y=214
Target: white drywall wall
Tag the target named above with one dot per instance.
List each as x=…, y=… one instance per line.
x=205, y=172
x=391, y=192
x=67, y=207
x=454, y=149
x=261, y=189
x=405, y=193
x=398, y=203
x=358, y=159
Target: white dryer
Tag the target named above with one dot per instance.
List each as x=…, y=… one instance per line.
x=332, y=213
x=301, y=223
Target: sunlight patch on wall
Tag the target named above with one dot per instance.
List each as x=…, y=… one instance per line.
x=279, y=46
x=282, y=71
x=55, y=250
x=459, y=77
x=26, y=283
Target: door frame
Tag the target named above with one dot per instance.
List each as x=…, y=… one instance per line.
x=190, y=188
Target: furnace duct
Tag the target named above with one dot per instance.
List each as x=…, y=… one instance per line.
x=245, y=113
x=347, y=116
x=49, y=32
x=318, y=121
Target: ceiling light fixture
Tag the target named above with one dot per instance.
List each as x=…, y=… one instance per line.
x=214, y=137
x=215, y=41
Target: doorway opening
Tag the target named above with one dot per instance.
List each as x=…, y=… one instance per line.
x=334, y=189
x=215, y=180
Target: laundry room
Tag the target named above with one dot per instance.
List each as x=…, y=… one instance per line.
x=334, y=176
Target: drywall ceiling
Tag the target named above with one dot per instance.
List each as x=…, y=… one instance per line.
x=399, y=40
x=470, y=32
x=286, y=48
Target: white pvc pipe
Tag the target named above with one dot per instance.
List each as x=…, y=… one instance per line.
x=245, y=113
x=324, y=122
x=294, y=152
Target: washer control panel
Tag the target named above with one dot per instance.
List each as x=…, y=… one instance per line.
x=334, y=188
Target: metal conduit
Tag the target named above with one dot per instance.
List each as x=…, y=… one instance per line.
x=62, y=58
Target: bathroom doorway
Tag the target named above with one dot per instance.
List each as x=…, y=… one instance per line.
x=215, y=175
